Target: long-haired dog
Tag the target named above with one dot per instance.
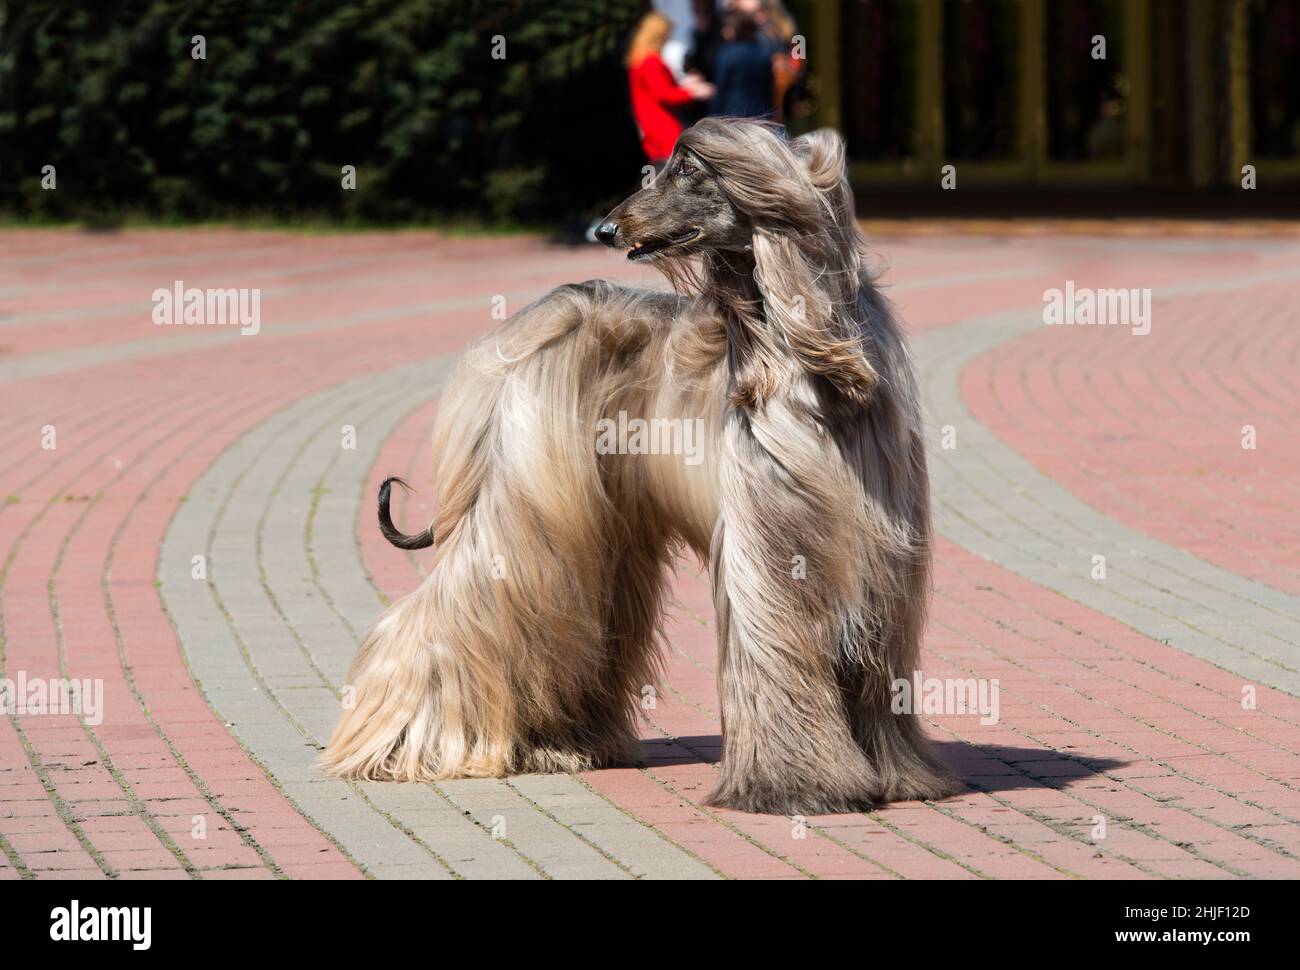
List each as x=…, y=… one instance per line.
x=529, y=644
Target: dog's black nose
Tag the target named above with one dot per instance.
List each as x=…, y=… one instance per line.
x=606, y=232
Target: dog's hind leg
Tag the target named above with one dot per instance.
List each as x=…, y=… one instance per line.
x=517, y=652
x=430, y=689
x=603, y=729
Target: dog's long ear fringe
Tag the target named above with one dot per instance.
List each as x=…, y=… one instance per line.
x=807, y=321
x=806, y=250
x=421, y=540
x=823, y=153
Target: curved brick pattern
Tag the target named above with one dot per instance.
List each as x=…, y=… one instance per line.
x=155, y=789
x=250, y=663
x=1150, y=432
x=993, y=501
x=294, y=609
x=1099, y=719
x=102, y=800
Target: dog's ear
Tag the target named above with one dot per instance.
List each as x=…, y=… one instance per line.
x=823, y=152
x=804, y=302
x=809, y=323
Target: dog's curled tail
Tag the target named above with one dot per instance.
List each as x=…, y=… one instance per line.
x=421, y=540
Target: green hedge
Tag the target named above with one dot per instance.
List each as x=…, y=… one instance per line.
x=292, y=90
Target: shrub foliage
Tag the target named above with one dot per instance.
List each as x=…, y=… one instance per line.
x=290, y=91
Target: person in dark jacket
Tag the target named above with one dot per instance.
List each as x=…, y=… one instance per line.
x=743, y=77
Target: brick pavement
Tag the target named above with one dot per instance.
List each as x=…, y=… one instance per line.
x=1120, y=699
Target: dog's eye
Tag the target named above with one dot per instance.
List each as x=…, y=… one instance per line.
x=686, y=169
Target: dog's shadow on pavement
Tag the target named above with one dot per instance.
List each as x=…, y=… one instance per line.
x=1002, y=767
x=983, y=767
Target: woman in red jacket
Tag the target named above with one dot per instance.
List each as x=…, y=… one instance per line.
x=654, y=90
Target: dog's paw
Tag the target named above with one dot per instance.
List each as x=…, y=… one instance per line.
x=928, y=788
x=774, y=800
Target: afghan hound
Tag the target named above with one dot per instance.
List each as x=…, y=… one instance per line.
x=530, y=643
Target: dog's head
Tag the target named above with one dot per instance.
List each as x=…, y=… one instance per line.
x=778, y=212
x=727, y=180
x=684, y=211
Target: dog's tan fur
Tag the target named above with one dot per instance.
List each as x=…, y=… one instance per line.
x=528, y=646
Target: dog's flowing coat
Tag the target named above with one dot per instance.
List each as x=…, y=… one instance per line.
x=529, y=644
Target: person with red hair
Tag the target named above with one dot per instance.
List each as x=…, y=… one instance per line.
x=654, y=90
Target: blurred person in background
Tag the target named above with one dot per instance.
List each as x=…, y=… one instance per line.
x=658, y=100
x=706, y=36
x=680, y=41
x=655, y=93
x=726, y=24
x=744, y=78
x=776, y=24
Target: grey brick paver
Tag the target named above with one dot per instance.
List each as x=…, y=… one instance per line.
x=232, y=687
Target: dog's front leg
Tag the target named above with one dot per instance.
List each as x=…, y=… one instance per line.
x=787, y=742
